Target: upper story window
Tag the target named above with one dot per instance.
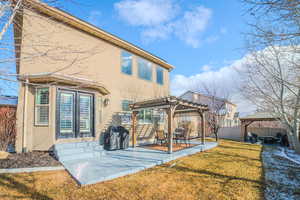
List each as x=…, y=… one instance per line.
x=159, y=75
x=145, y=69
x=42, y=106
x=126, y=62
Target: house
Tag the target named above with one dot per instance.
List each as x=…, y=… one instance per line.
x=227, y=108
x=76, y=77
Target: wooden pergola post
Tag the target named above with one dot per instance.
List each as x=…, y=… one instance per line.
x=134, y=125
x=203, y=128
x=170, y=130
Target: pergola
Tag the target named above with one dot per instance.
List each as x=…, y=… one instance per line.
x=172, y=106
x=257, y=117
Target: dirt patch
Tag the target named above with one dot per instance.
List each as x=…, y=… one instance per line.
x=164, y=147
x=31, y=159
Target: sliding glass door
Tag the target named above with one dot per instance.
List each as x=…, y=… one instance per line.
x=75, y=114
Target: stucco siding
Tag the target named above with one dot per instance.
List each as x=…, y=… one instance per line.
x=54, y=47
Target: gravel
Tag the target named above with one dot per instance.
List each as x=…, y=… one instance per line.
x=27, y=160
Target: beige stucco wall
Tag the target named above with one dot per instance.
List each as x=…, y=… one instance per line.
x=57, y=48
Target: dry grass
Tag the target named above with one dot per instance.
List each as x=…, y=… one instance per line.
x=231, y=171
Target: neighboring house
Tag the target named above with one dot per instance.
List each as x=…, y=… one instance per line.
x=63, y=102
x=228, y=109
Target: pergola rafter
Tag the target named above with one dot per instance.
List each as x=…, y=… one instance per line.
x=172, y=106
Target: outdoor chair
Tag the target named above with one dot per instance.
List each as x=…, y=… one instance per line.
x=178, y=134
x=160, y=137
x=279, y=138
x=185, y=136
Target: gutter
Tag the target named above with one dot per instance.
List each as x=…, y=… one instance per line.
x=24, y=141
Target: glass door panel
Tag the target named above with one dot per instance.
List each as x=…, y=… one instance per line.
x=66, y=122
x=85, y=114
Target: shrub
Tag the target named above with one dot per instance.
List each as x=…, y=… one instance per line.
x=7, y=127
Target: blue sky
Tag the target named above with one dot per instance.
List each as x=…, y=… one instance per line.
x=216, y=41
x=201, y=38
x=198, y=37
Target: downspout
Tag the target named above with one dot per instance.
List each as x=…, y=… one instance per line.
x=24, y=144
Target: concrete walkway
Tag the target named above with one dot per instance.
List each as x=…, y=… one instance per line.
x=114, y=164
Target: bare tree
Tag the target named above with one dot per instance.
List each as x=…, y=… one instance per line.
x=271, y=81
x=215, y=96
x=271, y=75
x=7, y=128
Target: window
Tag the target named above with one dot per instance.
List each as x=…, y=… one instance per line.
x=42, y=106
x=145, y=69
x=126, y=115
x=125, y=105
x=126, y=62
x=145, y=116
x=159, y=75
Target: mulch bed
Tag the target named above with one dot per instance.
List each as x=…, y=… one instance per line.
x=27, y=160
x=164, y=147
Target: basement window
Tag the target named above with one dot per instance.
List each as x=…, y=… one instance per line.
x=42, y=106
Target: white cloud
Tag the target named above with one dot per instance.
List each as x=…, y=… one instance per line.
x=162, y=18
x=146, y=12
x=227, y=78
x=193, y=23
x=94, y=17
x=206, y=68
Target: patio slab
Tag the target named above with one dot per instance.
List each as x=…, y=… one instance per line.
x=114, y=164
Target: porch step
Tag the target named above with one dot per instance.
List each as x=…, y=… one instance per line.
x=78, y=151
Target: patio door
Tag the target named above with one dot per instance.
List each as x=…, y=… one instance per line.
x=74, y=114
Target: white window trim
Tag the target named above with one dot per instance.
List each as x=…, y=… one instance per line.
x=36, y=123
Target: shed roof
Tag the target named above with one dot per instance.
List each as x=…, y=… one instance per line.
x=261, y=116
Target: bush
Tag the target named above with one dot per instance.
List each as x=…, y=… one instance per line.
x=7, y=127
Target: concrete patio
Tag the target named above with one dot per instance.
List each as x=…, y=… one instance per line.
x=98, y=165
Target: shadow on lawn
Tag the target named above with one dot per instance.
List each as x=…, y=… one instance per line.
x=238, y=148
x=205, y=172
x=26, y=192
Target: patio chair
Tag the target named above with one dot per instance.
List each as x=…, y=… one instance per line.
x=178, y=134
x=185, y=136
x=160, y=137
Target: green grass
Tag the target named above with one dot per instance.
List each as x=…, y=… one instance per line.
x=233, y=170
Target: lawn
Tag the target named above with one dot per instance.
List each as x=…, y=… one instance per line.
x=233, y=170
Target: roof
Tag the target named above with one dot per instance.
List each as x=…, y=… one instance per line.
x=217, y=98
x=166, y=102
x=261, y=116
x=8, y=100
x=84, y=26
x=70, y=80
